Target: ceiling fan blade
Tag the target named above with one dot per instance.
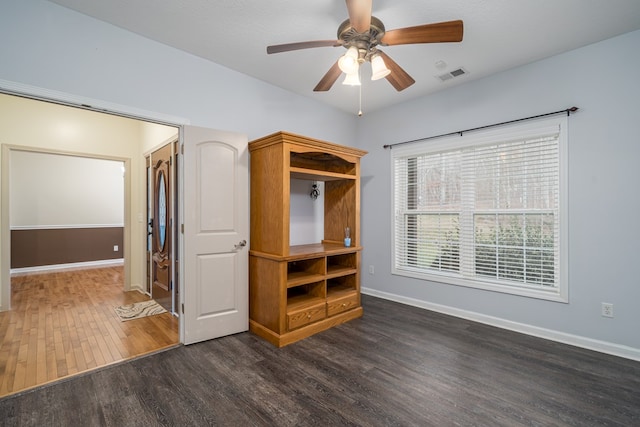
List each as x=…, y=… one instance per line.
x=359, y=14
x=302, y=45
x=398, y=78
x=441, y=32
x=329, y=79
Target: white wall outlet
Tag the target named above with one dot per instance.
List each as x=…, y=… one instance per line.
x=115, y=248
x=607, y=309
x=371, y=270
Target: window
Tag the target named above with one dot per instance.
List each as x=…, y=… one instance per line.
x=484, y=210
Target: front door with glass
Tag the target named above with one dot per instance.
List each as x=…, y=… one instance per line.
x=161, y=225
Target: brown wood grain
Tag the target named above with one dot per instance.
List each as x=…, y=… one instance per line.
x=64, y=323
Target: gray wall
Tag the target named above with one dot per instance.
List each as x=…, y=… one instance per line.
x=48, y=46
x=51, y=47
x=604, y=200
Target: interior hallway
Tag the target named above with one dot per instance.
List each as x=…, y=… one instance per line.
x=63, y=323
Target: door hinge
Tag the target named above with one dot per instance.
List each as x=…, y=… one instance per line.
x=182, y=228
x=182, y=306
x=182, y=149
x=170, y=161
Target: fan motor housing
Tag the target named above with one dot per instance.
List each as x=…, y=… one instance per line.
x=365, y=42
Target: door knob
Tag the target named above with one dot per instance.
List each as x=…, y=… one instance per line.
x=241, y=244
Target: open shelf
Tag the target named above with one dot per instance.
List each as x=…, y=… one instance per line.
x=306, y=293
x=313, y=175
x=338, y=287
x=301, y=302
x=341, y=265
x=322, y=162
x=303, y=271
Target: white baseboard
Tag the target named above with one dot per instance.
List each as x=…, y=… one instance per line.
x=88, y=264
x=574, y=340
x=138, y=287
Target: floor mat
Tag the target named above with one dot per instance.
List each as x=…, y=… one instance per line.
x=138, y=310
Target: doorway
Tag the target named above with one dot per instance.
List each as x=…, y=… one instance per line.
x=65, y=129
x=75, y=308
x=213, y=207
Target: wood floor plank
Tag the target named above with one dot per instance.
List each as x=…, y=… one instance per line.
x=396, y=366
x=64, y=323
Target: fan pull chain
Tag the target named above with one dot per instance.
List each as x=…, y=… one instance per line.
x=360, y=94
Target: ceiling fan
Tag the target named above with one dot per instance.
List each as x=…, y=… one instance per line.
x=361, y=35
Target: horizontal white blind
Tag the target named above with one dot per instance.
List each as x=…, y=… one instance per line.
x=428, y=204
x=487, y=213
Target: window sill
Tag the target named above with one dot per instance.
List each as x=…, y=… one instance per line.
x=555, y=294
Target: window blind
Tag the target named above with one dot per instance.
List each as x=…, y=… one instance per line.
x=486, y=212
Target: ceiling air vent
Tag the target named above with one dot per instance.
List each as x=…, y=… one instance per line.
x=451, y=74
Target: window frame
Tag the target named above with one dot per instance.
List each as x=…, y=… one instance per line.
x=519, y=131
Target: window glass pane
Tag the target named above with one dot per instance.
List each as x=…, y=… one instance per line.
x=438, y=182
x=539, y=230
x=510, y=230
x=511, y=263
x=433, y=241
x=485, y=183
x=515, y=247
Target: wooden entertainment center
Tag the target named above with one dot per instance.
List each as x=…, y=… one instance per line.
x=297, y=291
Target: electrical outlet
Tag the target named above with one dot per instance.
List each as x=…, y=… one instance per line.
x=607, y=309
x=115, y=248
x=371, y=270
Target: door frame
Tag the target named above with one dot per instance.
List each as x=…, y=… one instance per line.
x=69, y=100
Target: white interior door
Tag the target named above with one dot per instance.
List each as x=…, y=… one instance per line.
x=216, y=229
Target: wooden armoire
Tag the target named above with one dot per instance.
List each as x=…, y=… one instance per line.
x=297, y=291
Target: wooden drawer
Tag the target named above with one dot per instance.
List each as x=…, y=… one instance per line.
x=299, y=318
x=338, y=305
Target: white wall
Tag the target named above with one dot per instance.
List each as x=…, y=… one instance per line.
x=604, y=201
x=56, y=49
x=306, y=214
x=53, y=190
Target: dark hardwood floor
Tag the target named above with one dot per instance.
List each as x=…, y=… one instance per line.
x=398, y=365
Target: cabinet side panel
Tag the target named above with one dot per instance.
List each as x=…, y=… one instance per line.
x=341, y=210
x=266, y=301
x=269, y=212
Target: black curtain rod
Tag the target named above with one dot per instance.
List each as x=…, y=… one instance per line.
x=460, y=132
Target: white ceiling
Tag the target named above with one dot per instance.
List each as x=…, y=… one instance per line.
x=498, y=35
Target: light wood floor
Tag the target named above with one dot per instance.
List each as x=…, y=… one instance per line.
x=64, y=323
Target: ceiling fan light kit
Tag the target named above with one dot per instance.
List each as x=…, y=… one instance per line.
x=348, y=62
x=361, y=35
x=352, y=79
x=378, y=68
